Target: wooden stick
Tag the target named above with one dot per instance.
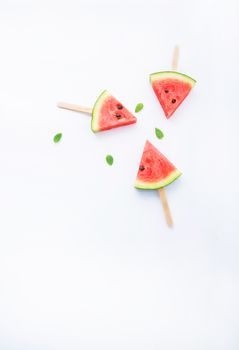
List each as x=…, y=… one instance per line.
x=166, y=209
x=75, y=108
x=162, y=192
x=175, y=58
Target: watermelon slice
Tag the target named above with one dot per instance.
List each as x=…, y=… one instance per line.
x=171, y=88
x=109, y=113
x=155, y=170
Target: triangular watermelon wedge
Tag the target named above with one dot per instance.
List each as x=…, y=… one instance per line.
x=155, y=170
x=171, y=88
x=109, y=113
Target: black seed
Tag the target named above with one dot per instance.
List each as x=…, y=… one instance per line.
x=141, y=167
x=118, y=115
x=119, y=106
x=173, y=100
x=166, y=91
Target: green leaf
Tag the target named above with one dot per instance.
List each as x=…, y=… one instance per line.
x=109, y=159
x=139, y=107
x=57, y=137
x=159, y=133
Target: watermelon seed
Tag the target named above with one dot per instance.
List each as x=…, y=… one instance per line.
x=173, y=100
x=118, y=115
x=119, y=106
x=141, y=168
x=166, y=91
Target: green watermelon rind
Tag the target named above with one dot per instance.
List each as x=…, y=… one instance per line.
x=172, y=74
x=95, y=111
x=143, y=185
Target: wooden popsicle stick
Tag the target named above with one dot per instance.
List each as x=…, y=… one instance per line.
x=166, y=209
x=162, y=191
x=175, y=58
x=75, y=108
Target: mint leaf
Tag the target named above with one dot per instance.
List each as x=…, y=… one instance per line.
x=159, y=133
x=109, y=159
x=57, y=137
x=139, y=107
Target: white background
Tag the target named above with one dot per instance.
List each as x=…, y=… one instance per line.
x=86, y=261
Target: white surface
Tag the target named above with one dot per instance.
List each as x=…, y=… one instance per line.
x=86, y=261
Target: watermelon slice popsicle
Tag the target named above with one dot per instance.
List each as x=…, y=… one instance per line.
x=155, y=172
x=171, y=87
x=170, y=91
x=107, y=112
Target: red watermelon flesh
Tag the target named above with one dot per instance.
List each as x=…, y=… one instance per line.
x=109, y=113
x=171, y=88
x=155, y=170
